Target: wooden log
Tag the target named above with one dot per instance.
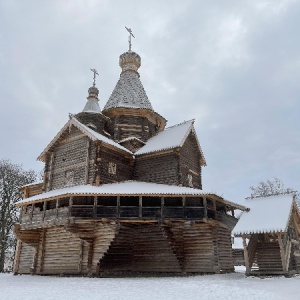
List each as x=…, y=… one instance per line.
x=246, y=255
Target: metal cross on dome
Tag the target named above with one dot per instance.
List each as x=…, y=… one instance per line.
x=129, y=38
x=95, y=73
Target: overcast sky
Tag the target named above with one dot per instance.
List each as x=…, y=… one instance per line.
x=234, y=66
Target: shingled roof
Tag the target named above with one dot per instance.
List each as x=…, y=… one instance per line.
x=129, y=91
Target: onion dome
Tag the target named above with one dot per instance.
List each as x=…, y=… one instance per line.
x=129, y=91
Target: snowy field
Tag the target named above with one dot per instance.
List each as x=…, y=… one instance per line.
x=227, y=286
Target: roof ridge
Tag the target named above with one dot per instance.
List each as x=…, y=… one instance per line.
x=179, y=124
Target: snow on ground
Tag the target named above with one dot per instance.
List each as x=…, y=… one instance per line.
x=226, y=286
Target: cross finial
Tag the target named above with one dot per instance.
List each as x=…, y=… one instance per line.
x=129, y=37
x=95, y=73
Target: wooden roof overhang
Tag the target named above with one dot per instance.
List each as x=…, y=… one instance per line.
x=48, y=197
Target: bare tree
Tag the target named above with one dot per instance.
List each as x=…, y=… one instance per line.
x=12, y=176
x=270, y=187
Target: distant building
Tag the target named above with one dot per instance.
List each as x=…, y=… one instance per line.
x=272, y=226
x=123, y=194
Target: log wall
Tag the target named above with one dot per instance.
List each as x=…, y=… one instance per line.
x=69, y=155
x=25, y=259
x=90, y=247
x=189, y=163
x=162, y=168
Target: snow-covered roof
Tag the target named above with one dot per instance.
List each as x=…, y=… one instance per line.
x=86, y=130
x=122, y=189
x=30, y=184
x=171, y=137
x=266, y=214
x=128, y=93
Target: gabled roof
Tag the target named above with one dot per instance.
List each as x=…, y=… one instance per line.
x=170, y=138
x=125, y=188
x=128, y=93
x=266, y=214
x=93, y=135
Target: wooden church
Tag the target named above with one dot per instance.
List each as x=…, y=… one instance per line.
x=122, y=194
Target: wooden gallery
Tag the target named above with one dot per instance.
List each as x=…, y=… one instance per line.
x=122, y=194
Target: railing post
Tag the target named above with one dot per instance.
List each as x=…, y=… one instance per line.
x=183, y=205
x=162, y=205
x=44, y=210
x=246, y=255
x=205, y=207
x=31, y=213
x=95, y=207
x=140, y=207
x=70, y=205
x=118, y=206
x=56, y=209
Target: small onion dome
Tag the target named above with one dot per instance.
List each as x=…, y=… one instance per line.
x=93, y=92
x=130, y=61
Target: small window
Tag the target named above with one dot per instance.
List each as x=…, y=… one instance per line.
x=112, y=168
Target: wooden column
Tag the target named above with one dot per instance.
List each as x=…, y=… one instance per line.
x=118, y=206
x=80, y=256
x=56, y=208
x=140, y=207
x=282, y=252
x=246, y=255
x=215, y=208
x=70, y=206
x=90, y=257
x=31, y=213
x=95, y=207
x=43, y=250
x=162, y=205
x=44, y=210
x=17, y=257
x=205, y=207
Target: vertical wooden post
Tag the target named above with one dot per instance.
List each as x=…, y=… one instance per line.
x=205, y=207
x=282, y=252
x=43, y=250
x=70, y=206
x=44, y=210
x=140, y=207
x=31, y=213
x=246, y=255
x=80, y=256
x=183, y=206
x=90, y=257
x=118, y=206
x=162, y=205
x=17, y=257
x=56, y=208
x=21, y=214
x=95, y=207
x=232, y=212
x=215, y=208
